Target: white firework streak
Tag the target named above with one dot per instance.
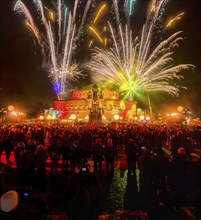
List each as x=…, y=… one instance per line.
x=21, y=8
x=40, y=8
x=83, y=18
x=58, y=49
x=116, y=9
x=147, y=30
x=75, y=9
x=59, y=19
x=133, y=66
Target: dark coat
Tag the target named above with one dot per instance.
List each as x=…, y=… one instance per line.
x=110, y=152
x=97, y=151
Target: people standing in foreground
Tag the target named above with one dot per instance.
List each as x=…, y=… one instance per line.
x=110, y=153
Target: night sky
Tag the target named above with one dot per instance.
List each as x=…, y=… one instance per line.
x=23, y=82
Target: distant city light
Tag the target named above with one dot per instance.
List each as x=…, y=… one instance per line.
x=147, y=118
x=116, y=117
x=49, y=117
x=41, y=117
x=73, y=117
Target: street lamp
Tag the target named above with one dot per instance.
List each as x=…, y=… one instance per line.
x=11, y=108
x=148, y=118
x=116, y=118
x=186, y=114
x=3, y=111
x=180, y=108
x=135, y=118
x=86, y=118
x=73, y=117
x=41, y=117
x=104, y=118
x=49, y=117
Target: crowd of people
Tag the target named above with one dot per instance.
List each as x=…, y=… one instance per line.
x=168, y=158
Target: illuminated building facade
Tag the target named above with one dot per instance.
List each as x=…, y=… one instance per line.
x=96, y=105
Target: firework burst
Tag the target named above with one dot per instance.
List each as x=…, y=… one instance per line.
x=132, y=65
x=57, y=39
